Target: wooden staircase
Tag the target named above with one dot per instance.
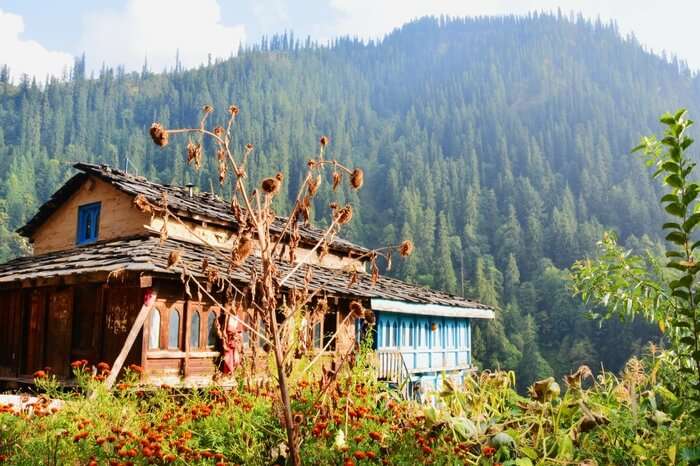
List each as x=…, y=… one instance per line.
x=391, y=368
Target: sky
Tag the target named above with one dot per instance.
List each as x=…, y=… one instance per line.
x=43, y=37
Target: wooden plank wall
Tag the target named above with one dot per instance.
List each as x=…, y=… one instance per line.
x=35, y=331
x=10, y=332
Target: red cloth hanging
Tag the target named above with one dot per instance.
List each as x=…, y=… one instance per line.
x=232, y=343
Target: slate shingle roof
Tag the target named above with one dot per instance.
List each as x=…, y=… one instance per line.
x=147, y=255
x=201, y=205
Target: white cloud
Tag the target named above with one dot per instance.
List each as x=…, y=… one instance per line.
x=157, y=29
x=28, y=56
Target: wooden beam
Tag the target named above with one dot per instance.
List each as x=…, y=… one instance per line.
x=435, y=310
x=149, y=300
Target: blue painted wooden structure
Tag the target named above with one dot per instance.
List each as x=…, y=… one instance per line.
x=417, y=344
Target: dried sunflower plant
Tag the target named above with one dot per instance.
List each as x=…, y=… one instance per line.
x=266, y=246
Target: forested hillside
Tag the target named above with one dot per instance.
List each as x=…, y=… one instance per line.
x=499, y=145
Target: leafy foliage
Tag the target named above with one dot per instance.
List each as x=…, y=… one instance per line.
x=629, y=285
x=628, y=419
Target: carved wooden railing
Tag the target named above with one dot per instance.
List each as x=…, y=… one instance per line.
x=392, y=368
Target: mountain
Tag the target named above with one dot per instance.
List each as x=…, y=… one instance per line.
x=499, y=145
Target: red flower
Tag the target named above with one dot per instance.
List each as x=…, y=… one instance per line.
x=136, y=368
x=488, y=451
x=39, y=374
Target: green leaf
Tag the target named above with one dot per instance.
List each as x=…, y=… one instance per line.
x=677, y=237
x=695, y=245
x=687, y=340
x=676, y=209
x=529, y=452
x=674, y=254
x=667, y=119
x=687, y=142
x=684, y=282
x=679, y=114
x=673, y=225
x=565, y=448
x=674, y=180
x=671, y=166
x=689, y=224
x=682, y=294
x=691, y=193
x=640, y=147
x=676, y=265
x=669, y=198
x=670, y=141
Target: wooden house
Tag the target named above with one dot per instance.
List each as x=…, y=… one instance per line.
x=96, y=255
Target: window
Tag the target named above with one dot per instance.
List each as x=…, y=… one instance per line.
x=88, y=223
x=211, y=329
x=154, y=330
x=317, y=335
x=194, y=330
x=174, y=330
x=329, y=327
x=262, y=330
x=246, y=332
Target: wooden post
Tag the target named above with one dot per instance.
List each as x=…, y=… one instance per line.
x=149, y=300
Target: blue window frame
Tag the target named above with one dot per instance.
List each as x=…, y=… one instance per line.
x=88, y=223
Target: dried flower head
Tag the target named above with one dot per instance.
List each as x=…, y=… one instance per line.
x=207, y=109
x=194, y=152
x=314, y=184
x=142, y=204
x=406, y=248
x=344, y=215
x=219, y=131
x=272, y=185
x=174, y=257
x=159, y=134
x=357, y=178
x=233, y=110
x=249, y=147
x=337, y=178
x=243, y=250
x=324, y=141
x=356, y=309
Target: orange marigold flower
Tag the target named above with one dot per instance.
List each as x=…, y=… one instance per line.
x=39, y=374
